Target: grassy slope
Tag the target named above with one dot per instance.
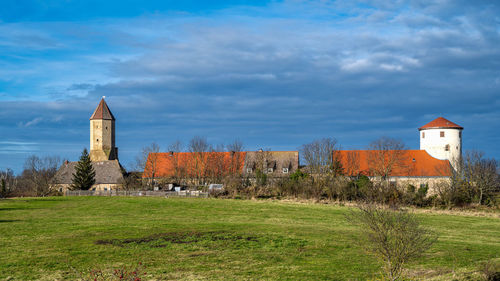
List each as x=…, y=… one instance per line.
x=46, y=238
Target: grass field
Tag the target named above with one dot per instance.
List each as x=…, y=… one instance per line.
x=56, y=238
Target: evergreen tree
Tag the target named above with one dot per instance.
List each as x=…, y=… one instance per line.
x=84, y=176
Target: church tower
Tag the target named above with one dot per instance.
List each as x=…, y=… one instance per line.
x=442, y=139
x=102, y=134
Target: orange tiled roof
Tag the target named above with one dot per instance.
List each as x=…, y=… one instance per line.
x=102, y=112
x=189, y=164
x=414, y=163
x=440, y=122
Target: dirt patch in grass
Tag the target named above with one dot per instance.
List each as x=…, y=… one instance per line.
x=208, y=239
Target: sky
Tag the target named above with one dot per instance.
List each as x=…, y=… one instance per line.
x=273, y=74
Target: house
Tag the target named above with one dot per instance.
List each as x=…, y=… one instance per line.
x=108, y=176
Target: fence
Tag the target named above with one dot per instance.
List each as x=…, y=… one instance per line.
x=182, y=193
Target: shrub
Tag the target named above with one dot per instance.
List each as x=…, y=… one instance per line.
x=491, y=270
x=395, y=236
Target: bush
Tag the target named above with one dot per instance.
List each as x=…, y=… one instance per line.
x=395, y=236
x=491, y=270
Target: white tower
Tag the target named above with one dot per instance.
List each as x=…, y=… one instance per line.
x=442, y=139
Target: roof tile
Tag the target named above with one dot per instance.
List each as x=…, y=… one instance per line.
x=440, y=122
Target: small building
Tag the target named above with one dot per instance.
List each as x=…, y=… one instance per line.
x=108, y=176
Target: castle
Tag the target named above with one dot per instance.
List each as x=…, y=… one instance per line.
x=103, y=154
x=439, y=154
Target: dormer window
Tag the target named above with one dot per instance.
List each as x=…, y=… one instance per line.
x=285, y=170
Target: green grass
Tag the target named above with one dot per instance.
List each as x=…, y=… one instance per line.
x=55, y=238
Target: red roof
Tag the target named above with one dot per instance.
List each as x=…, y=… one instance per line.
x=412, y=163
x=440, y=122
x=102, y=112
x=193, y=164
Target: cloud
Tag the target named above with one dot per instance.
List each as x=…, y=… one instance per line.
x=282, y=74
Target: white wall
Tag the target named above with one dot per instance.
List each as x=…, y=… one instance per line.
x=435, y=145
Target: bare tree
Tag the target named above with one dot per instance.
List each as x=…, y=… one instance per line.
x=176, y=146
x=178, y=167
x=198, y=144
x=351, y=163
x=395, y=236
x=7, y=182
x=386, y=155
x=480, y=175
x=38, y=173
x=236, y=148
x=148, y=161
x=319, y=154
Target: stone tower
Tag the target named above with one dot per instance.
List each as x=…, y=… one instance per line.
x=102, y=134
x=442, y=139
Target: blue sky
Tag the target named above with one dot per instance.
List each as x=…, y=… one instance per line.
x=274, y=74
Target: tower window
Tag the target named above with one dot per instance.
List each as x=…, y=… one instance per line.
x=460, y=134
x=441, y=134
x=423, y=135
x=447, y=147
x=97, y=140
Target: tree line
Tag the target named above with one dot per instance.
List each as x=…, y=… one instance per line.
x=323, y=176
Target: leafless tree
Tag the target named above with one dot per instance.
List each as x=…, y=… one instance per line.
x=386, y=155
x=147, y=161
x=198, y=144
x=178, y=166
x=480, y=174
x=319, y=155
x=395, y=236
x=38, y=173
x=176, y=146
x=236, y=146
x=351, y=163
x=7, y=182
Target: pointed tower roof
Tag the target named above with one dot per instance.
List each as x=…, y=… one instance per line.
x=102, y=112
x=441, y=122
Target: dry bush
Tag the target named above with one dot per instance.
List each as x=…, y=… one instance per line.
x=395, y=236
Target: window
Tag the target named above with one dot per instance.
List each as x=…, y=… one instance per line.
x=249, y=170
x=441, y=134
x=270, y=170
x=447, y=147
x=97, y=140
x=285, y=170
x=423, y=135
x=460, y=134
